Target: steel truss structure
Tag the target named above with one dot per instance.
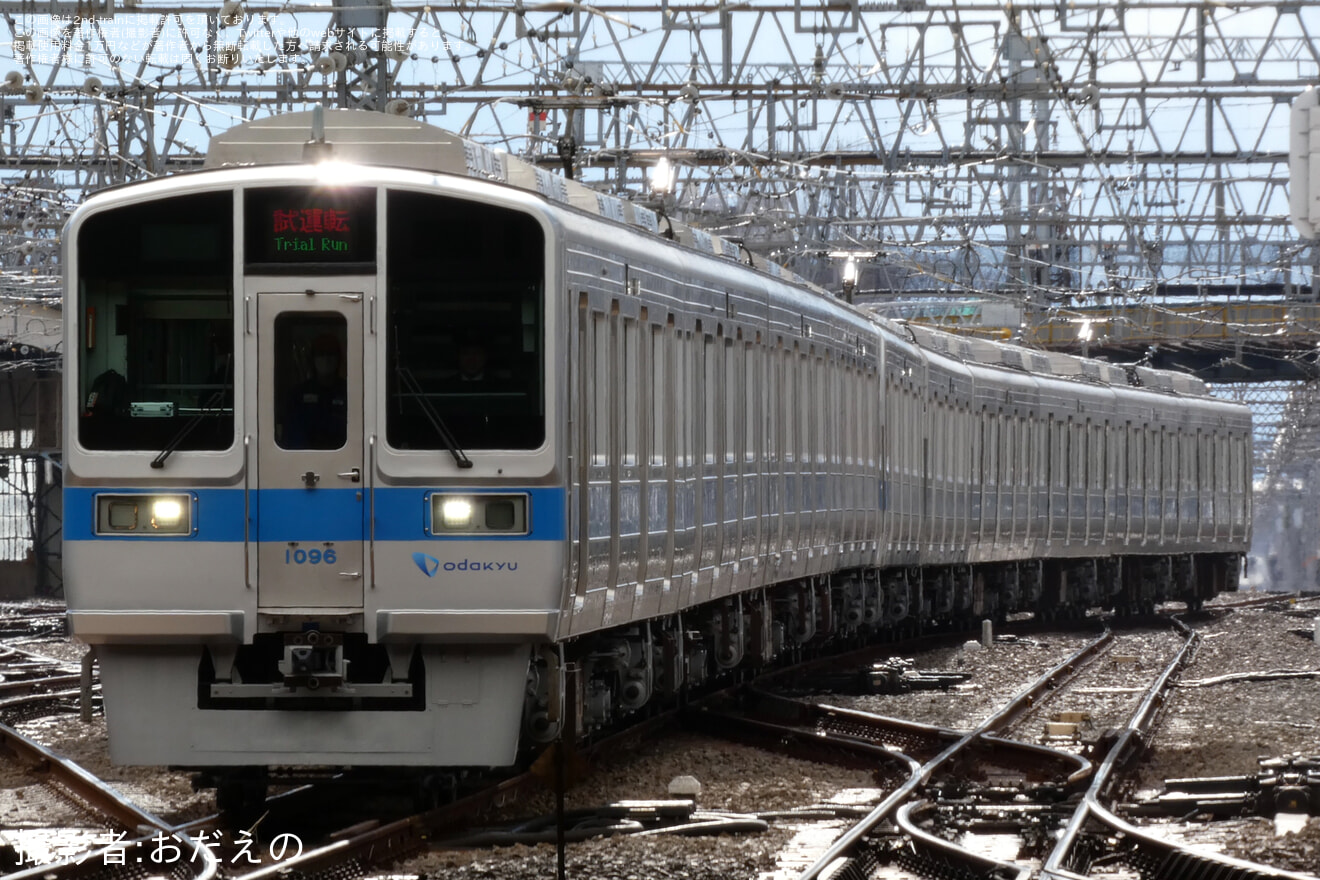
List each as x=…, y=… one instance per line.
x=1286, y=544
x=1063, y=153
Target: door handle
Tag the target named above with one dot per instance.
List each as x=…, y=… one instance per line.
x=353, y=476
x=351, y=575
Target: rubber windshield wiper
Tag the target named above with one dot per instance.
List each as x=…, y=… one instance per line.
x=410, y=385
x=208, y=408
x=211, y=406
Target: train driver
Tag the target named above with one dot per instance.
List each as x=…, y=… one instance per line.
x=472, y=362
x=316, y=414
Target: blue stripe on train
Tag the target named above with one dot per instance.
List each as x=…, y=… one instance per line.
x=314, y=515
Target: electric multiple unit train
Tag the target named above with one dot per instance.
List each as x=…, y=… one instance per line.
x=385, y=449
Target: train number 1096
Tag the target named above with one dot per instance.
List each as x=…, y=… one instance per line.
x=309, y=557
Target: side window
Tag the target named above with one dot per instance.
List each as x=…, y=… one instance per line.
x=660, y=384
x=1010, y=450
x=1152, y=460
x=1060, y=464
x=1077, y=455
x=711, y=394
x=1095, y=451
x=754, y=388
x=791, y=425
x=685, y=418
x=1118, y=439
x=774, y=388
x=735, y=401
x=600, y=389
x=1138, y=458
x=629, y=388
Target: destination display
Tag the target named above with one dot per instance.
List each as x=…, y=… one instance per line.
x=298, y=226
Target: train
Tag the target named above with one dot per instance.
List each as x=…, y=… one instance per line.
x=386, y=449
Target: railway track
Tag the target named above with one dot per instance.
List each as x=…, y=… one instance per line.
x=1148, y=854
x=932, y=808
x=32, y=686
x=921, y=751
x=36, y=686
x=360, y=847
x=920, y=765
x=138, y=836
x=356, y=850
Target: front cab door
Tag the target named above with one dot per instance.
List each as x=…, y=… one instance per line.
x=310, y=507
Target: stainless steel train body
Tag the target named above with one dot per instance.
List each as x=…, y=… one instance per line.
x=669, y=463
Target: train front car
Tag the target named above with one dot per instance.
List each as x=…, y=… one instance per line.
x=314, y=511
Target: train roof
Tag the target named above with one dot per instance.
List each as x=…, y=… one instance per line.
x=368, y=138
x=1052, y=363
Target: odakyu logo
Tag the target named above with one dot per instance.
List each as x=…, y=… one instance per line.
x=429, y=565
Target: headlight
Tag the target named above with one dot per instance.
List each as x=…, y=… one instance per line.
x=478, y=514
x=144, y=514
x=456, y=513
x=166, y=513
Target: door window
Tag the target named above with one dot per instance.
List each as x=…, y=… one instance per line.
x=311, y=394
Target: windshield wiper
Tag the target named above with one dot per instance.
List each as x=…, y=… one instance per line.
x=208, y=408
x=409, y=383
x=211, y=406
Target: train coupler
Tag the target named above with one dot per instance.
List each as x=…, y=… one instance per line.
x=313, y=660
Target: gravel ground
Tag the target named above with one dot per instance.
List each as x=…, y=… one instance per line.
x=733, y=778
x=165, y=793
x=1218, y=728
x=625, y=858
x=63, y=650
x=1221, y=729
x=1108, y=691
x=161, y=792
x=996, y=674
x=1224, y=728
x=1256, y=840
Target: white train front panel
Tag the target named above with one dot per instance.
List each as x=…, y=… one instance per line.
x=296, y=536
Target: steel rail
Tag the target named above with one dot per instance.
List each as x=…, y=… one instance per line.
x=27, y=686
x=885, y=735
x=384, y=843
x=394, y=840
x=800, y=741
x=9, y=651
x=105, y=800
x=846, y=845
x=1167, y=854
x=938, y=849
x=1002, y=745
x=26, y=700
x=381, y=844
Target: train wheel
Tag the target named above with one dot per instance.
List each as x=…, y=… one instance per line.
x=241, y=797
x=432, y=790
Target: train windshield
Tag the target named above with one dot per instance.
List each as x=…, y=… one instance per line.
x=155, y=299
x=465, y=322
